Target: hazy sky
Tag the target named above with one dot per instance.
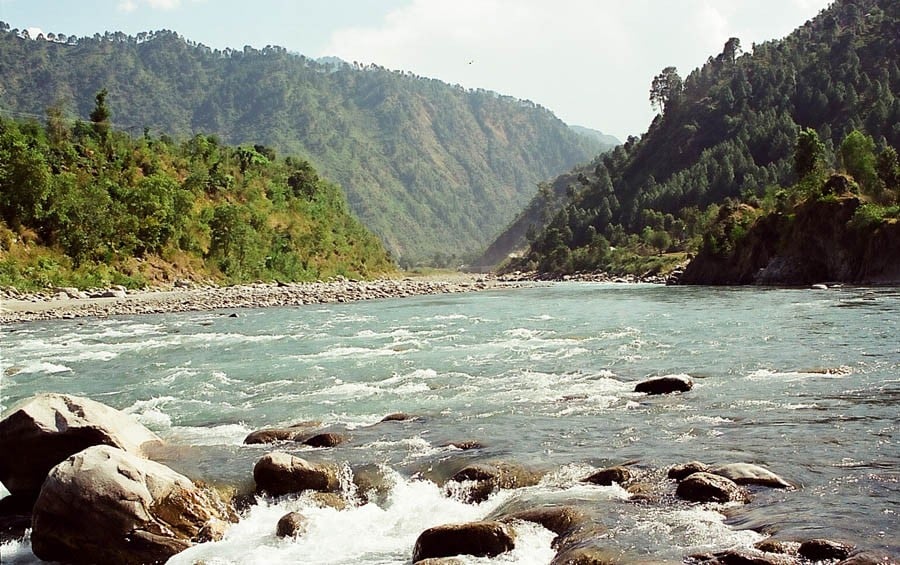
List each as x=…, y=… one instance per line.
x=589, y=61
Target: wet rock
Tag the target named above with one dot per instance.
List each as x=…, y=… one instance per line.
x=328, y=500
x=104, y=505
x=280, y=473
x=372, y=485
x=643, y=493
x=464, y=445
x=822, y=549
x=742, y=557
x=665, y=385
x=480, y=539
x=291, y=525
x=325, y=440
x=680, y=472
x=44, y=430
x=585, y=556
x=15, y=517
x=706, y=487
x=213, y=530
x=293, y=432
x=490, y=476
x=608, y=476
x=869, y=558
x=398, y=417
x=440, y=561
x=558, y=519
x=777, y=546
x=750, y=474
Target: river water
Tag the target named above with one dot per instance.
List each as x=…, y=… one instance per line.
x=804, y=382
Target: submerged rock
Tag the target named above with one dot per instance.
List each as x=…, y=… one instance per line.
x=293, y=432
x=280, y=473
x=750, y=474
x=104, y=505
x=665, y=385
x=706, y=487
x=742, y=557
x=481, y=539
x=44, y=430
x=329, y=439
x=558, y=519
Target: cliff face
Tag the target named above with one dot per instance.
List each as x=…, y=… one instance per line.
x=817, y=243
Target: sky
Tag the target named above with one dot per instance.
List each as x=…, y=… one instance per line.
x=591, y=62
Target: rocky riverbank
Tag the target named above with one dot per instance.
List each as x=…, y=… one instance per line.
x=63, y=303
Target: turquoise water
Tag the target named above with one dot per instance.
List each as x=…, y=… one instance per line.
x=804, y=382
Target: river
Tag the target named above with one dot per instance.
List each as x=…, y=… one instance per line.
x=804, y=382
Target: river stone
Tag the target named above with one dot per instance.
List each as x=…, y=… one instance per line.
x=104, y=505
x=481, y=539
x=706, y=487
x=777, y=546
x=680, y=472
x=397, y=417
x=291, y=525
x=558, y=519
x=742, y=556
x=272, y=435
x=440, y=561
x=608, y=476
x=822, y=549
x=329, y=439
x=494, y=475
x=869, y=558
x=665, y=385
x=44, y=430
x=280, y=473
x=750, y=474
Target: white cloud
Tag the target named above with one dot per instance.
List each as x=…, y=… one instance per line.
x=590, y=61
x=132, y=5
x=33, y=32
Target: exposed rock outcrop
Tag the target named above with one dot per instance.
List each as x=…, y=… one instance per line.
x=104, y=505
x=44, y=430
x=706, y=487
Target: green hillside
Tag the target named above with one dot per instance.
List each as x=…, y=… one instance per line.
x=728, y=130
x=84, y=205
x=433, y=169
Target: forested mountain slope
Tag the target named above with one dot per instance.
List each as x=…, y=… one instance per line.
x=431, y=168
x=729, y=129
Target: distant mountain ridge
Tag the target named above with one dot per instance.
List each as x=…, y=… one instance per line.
x=729, y=129
x=609, y=141
x=435, y=170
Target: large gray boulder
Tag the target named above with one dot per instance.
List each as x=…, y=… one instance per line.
x=104, y=505
x=44, y=430
x=481, y=539
x=280, y=473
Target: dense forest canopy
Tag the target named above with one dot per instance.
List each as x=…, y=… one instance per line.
x=729, y=129
x=435, y=170
x=82, y=204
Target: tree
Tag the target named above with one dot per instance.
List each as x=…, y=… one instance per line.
x=888, y=167
x=665, y=90
x=858, y=157
x=731, y=50
x=100, y=115
x=809, y=153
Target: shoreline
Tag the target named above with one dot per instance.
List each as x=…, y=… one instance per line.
x=64, y=304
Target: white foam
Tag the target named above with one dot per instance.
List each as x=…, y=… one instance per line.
x=367, y=534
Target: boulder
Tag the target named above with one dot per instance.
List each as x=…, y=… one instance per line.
x=464, y=445
x=104, y=505
x=481, y=539
x=440, y=561
x=665, y=385
x=680, y=472
x=397, y=417
x=558, y=519
x=280, y=473
x=706, y=487
x=490, y=476
x=750, y=474
x=822, y=549
x=777, y=546
x=743, y=556
x=608, y=476
x=588, y=555
x=15, y=517
x=44, y=430
x=869, y=558
x=325, y=440
x=291, y=525
x=272, y=435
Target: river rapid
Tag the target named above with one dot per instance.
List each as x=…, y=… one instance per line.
x=804, y=382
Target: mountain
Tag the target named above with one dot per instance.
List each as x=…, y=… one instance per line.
x=729, y=130
x=432, y=168
x=607, y=141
